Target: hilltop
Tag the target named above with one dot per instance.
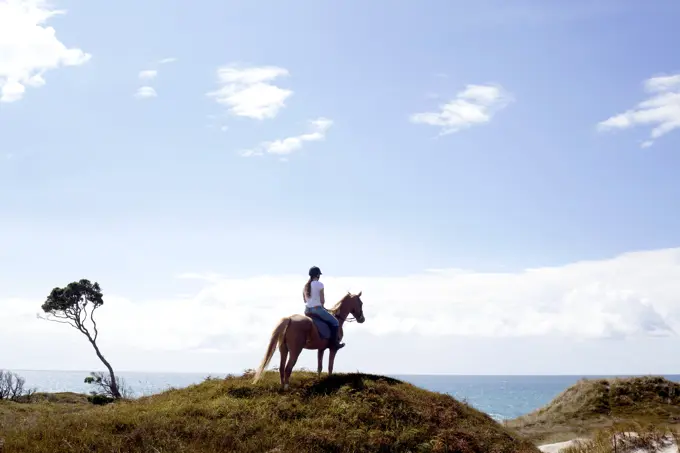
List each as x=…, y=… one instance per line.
x=341, y=413
x=593, y=404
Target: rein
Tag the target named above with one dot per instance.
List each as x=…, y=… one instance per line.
x=346, y=319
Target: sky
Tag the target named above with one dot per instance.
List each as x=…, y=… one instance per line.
x=498, y=178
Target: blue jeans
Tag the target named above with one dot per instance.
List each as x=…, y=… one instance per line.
x=324, y=314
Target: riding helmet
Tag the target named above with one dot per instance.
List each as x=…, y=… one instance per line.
x=314, y=272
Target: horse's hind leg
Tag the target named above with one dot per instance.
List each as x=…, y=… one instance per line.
x=294, y=354
x=319, y=367
x=283, y=350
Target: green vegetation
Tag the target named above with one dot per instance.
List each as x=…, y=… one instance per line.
x=338, y=413
x=603, y=404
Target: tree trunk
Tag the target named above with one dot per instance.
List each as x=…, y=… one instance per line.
x=114, y=384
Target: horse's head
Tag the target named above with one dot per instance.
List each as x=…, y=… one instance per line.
x=356, y=306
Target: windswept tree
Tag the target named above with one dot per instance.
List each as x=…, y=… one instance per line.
x=75, y=305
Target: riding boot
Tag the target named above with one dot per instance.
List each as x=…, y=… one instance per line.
x=334, y=343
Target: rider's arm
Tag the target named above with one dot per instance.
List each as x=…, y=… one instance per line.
x=322, y=297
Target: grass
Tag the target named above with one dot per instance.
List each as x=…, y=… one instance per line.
x=601, y=405
x=340, y=413
x=626, y=437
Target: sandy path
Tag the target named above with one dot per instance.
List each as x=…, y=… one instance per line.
x=559, y=446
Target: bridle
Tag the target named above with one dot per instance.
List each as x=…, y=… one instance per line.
x=346, y=318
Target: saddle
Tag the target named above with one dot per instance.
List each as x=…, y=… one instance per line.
x=321, y=326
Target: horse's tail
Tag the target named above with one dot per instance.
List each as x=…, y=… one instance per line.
x=277, y=336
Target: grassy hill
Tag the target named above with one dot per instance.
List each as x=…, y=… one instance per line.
x=341, y=413
x=590, y=405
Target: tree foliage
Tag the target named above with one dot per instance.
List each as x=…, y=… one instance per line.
x=74, y=305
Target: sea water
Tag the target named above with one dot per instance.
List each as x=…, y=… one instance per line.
x=502, y=397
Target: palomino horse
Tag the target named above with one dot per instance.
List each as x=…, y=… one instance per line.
x=297, y=332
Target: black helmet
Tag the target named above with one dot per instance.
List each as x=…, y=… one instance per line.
x=314, y=272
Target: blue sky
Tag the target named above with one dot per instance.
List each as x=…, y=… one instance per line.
x=97, y=183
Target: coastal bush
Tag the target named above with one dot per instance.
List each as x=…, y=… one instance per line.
x=100, y=400
x=12, y=387
x=104, y=388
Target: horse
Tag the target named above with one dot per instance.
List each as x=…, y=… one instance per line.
x=297, y=332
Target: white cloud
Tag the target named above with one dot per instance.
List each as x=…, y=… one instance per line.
x=249, y=92
x=661, y=110
x=318, y=129
x=148, y=74
x=662, y=83
x=475, y=105
x=145, y=92
x=632, y=295
x=29, y=48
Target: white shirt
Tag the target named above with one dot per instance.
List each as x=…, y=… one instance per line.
x=314, y=300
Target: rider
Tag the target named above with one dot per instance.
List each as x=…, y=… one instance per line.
x=313, y=296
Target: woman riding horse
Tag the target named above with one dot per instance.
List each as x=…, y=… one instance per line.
x=314, y=299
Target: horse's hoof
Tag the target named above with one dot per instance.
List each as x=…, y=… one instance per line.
x=285, y=387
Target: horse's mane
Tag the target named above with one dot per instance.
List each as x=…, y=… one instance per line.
x=336, y=307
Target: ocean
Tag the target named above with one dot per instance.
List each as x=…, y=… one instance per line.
x=502, y=397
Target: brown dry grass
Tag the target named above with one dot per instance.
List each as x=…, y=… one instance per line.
x=341, y=413
x=625, y=438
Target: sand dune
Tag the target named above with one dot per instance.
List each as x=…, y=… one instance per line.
x=561, y=446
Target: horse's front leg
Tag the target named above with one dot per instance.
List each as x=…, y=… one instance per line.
x=331, y=360
x=319, y=367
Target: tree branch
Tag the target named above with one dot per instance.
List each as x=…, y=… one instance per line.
x=94, y=323
x=83, y=320
x=46, y=318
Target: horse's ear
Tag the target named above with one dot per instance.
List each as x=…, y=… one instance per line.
x=359, y=295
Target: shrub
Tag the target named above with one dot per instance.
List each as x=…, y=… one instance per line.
x=105, y=388
x=12, y=387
